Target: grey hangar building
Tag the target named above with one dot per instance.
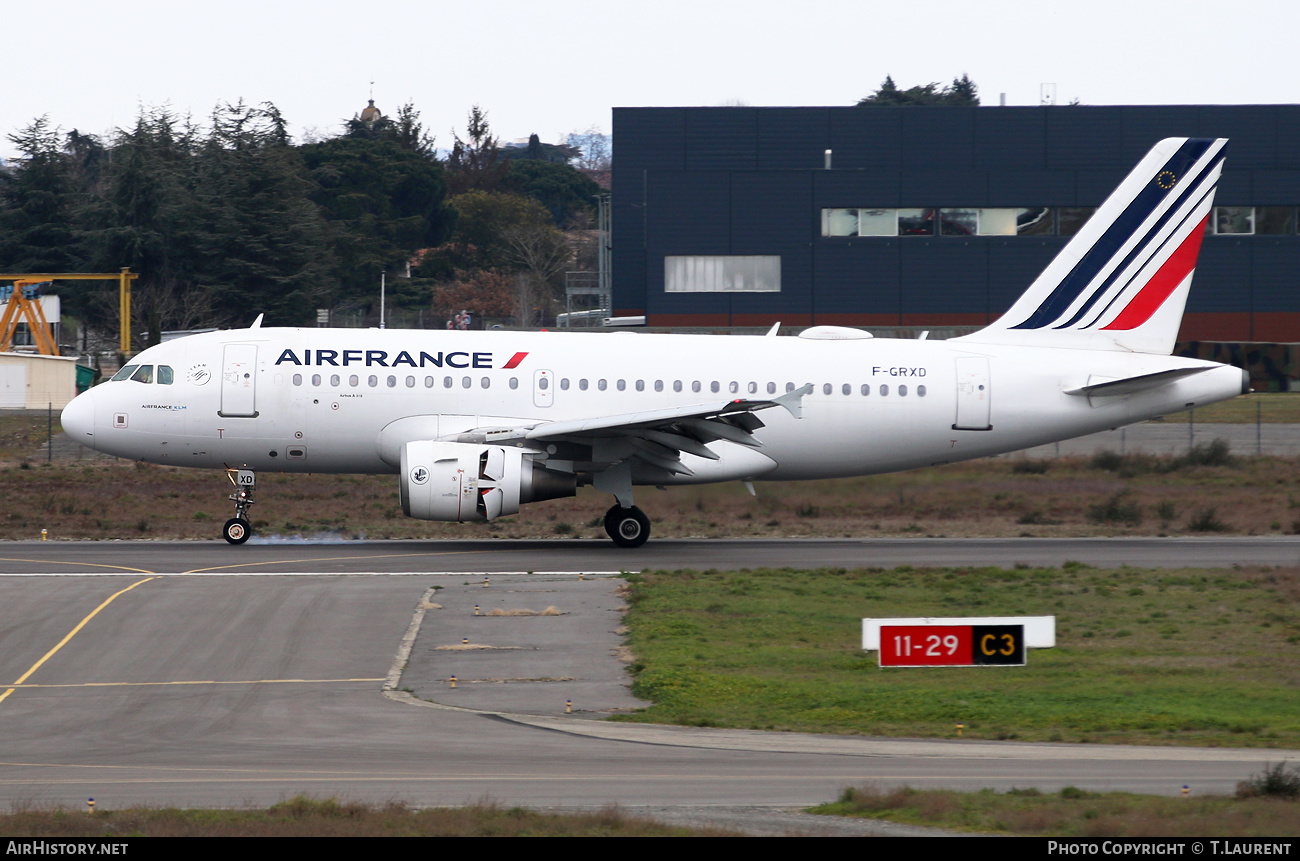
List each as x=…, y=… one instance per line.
x=927, y=217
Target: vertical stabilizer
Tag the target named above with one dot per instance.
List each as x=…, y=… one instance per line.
x=1122, y=281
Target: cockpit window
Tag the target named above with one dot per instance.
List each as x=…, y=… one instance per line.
x=124, y=374
x=144, y=374
x=165, y=375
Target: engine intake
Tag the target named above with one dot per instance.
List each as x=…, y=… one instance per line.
x=456, y=481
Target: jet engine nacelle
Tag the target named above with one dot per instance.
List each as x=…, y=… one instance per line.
x=456, y=481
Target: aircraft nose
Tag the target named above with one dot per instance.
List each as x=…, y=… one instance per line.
x=78, y=419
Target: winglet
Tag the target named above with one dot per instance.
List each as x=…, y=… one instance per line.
x=793, y=401
x=776, y=327
x=257, y=324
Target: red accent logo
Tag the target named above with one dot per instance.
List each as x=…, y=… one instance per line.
x=514, y=361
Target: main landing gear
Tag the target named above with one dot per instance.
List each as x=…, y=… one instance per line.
x=629, y=527
x=237, y=529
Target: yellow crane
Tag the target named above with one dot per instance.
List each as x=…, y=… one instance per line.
x=21, y=309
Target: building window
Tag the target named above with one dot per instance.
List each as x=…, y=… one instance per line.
x=1234, y=219
x=1274, y=220
x=722, y=274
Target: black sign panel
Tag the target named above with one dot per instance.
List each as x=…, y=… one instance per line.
x=998, y=644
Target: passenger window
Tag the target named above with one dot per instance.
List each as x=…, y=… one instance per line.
x=143, y=374
x=847, y=389
x=428, y=382
x=677, y=385
x=564, y=384
x=753, y=388
x=466, y=382
x=410, y=382
x=866, y=389
x=659, y=385
x=640, y=385
x=315, y=379
x=373, y=381
x=733, y=387
x=447, y=382
x=771, y=388
x=695, y=386
x=165, y=375
x=902, y=391
x=334, y=379
x=600, y=384
x=124, y=374
x=514, y=382
x=920, y=391
x=485, y=382
x=714, y=387
x=884, y=390
x=827, y=388
x=789, y=387
x=354, y=381
x=622, y=385
x=582, y=384
x=392, y=381
x=297, y=379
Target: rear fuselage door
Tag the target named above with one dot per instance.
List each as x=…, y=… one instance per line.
x=973, y=391
x=239, y=381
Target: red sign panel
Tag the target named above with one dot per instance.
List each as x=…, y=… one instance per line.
x=951, y=645
x=925, y=646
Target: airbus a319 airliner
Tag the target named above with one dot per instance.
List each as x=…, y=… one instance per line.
x=476, y=424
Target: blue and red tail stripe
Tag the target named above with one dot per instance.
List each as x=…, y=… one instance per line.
x=1177, y=180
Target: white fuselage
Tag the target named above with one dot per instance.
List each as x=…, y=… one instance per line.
x=346, y=400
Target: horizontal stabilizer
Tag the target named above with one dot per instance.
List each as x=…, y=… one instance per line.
x=1129, y=385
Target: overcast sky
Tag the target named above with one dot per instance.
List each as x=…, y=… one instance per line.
x=553, y=68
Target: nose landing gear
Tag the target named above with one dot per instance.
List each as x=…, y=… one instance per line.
x=237, y=529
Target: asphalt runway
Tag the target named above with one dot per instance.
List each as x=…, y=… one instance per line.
x=131, y=685
x=273, y=556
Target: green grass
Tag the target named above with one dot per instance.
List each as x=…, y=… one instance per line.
x=1073, y=813
x=302, y=816
x=1143, y=656
x=1272, y=407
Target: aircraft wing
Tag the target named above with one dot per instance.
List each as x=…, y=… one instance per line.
x=658, y=437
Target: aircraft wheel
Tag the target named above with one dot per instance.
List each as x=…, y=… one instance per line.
x=629, y=527
x=237, y=530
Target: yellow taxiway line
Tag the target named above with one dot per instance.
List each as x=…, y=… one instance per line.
x=36, y=666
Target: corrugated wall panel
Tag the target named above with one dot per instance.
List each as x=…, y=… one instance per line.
x=688, y=212
x=862, y=277
x=944, y=186
x=856, y=188
x=721, y=139
x=793, y=138
x=772, y=212
x=1146, y=126
x=1275, y=187
x=938, y=137
x=944, y=276
x=866, y=139
x=1082, y=138
x=1223, y=277
x=650, y=138
x=1276, y=267
x=1251, y=134
x=1031, y=188
x=1013, y=266
x=1012, y=139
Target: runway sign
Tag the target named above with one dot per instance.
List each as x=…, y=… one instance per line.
x=952, y=645
x=962, y=641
